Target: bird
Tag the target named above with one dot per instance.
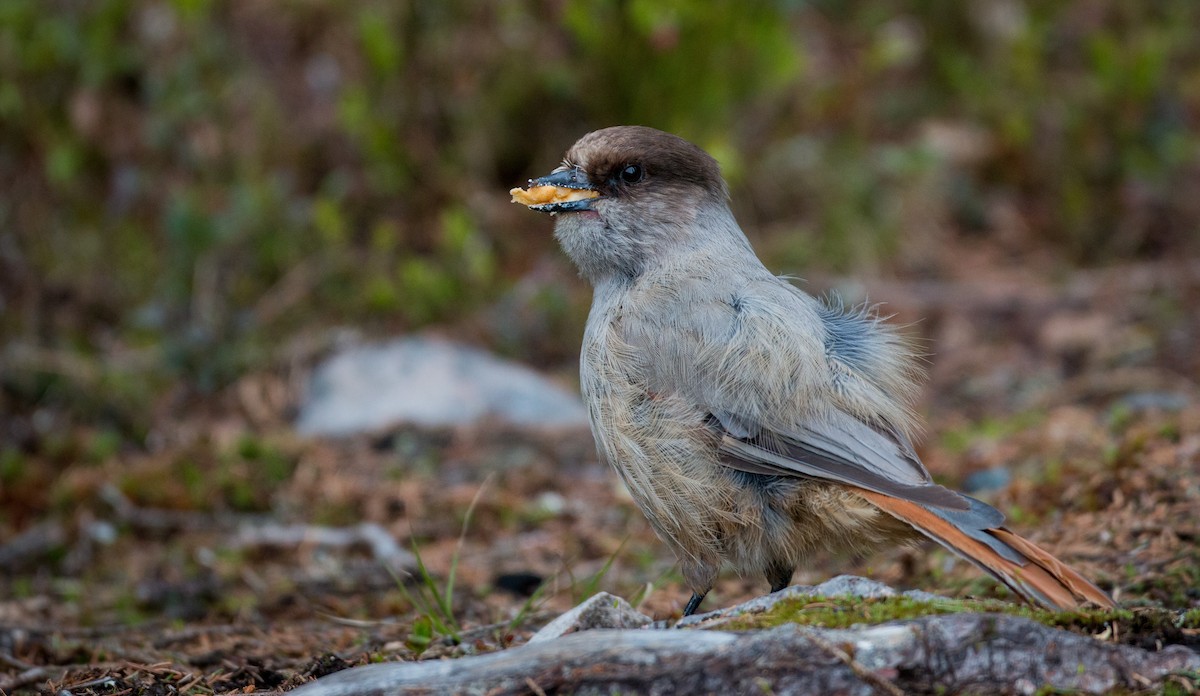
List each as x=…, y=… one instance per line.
x=753, y=424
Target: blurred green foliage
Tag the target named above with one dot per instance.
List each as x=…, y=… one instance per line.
x=188, y=182
x=206, y=476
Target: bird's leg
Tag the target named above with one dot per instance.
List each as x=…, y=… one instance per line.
x=693, y=603
x=779, y=574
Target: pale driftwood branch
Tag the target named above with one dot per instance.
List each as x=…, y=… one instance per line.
x=959, y=653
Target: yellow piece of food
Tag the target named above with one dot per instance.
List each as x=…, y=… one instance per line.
x=540, y=195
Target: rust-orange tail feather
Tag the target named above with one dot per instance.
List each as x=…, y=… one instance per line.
x=1040, y=578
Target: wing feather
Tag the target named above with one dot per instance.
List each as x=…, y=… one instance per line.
x=841, y=449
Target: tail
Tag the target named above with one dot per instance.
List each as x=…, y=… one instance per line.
x=977, y=536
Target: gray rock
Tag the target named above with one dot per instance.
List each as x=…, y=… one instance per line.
x=851, y=585
x=430, y=382
x=602, y=610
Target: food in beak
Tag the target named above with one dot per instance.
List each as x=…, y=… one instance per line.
x=541, y=195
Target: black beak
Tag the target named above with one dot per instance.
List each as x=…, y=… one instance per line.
x=570, y=178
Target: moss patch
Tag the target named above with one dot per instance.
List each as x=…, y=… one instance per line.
x=1143, y=627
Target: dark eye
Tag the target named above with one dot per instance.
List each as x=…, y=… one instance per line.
x=632, y=174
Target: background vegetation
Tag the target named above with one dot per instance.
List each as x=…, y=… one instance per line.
x=193, y=188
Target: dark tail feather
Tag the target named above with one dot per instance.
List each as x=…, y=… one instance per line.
x=1020, y=564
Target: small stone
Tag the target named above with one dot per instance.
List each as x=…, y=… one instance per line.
x=602, y=610
x=853, y=586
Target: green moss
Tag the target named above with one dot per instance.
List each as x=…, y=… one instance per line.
x=842, y=612
x=1133, y=626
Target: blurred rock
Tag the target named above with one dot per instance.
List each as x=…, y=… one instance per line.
x=382, y=545
x=433, y=383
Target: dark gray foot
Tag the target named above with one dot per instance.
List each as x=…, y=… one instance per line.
x=779, y=575
x=693, y=604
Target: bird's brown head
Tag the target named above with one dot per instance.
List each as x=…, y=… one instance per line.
x=625, y=195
